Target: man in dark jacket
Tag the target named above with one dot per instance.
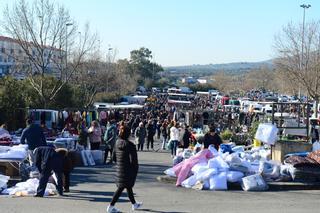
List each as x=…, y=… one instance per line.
x=125, y=155
x=69, y=162
x=213, y=138
x=34, y=135
x=48, y=160
x=150, y=134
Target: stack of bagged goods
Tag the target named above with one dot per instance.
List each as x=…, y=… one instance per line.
x=303, y=169
x=212, y=170
x=28, y=188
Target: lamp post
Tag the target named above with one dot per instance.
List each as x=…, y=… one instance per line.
x=304, y=6
x=108, y=61
x=67, y=25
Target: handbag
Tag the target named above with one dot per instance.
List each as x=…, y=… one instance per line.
x=170, y=144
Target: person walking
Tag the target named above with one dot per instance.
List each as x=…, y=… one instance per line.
x=110, y=138
x=164, y=133
x=140, y=134
x=125, y=156
x=95, y=135
x=150, y=134
x=174, y=138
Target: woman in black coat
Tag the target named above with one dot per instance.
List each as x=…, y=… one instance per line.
x=125, y=155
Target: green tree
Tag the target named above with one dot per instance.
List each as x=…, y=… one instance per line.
x=141, y=64
x=12, y=103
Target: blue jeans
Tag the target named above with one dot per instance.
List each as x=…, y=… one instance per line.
x=164, y=142
x=174, y=147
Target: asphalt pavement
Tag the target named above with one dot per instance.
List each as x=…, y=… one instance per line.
x=92, y=189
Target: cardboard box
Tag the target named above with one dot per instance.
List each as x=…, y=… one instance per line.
x=282, y=148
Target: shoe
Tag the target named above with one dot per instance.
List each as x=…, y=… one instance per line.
x=112, y=209
x=36, y=195
x=66, y=190
x=136, y=206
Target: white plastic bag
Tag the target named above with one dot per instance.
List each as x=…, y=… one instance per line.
x=213, y=150
x=238, y=149
x=234, y=176
x=267, y=133
x=3, y=181
x=218, y=163
x=315, y=146
x=170, y=172
x=205, y=175
x=218, y=182
x=254, y=183
x=199, y=166
x=270, y=170
x=233, y=159
x=188, y=183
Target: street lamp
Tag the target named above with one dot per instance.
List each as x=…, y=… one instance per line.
x=304, y=6
x=67, y=25
x=108, y=61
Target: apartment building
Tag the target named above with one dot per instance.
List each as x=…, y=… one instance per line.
x=14, y=61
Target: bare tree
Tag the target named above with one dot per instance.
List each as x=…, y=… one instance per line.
x=298, y=57
x=46, y=35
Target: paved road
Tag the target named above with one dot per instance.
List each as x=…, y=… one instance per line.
x=92, y=188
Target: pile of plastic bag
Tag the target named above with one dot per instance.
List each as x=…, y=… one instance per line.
x=213, y=170
x=29, y=187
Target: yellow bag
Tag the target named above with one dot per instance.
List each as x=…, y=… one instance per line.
x=256, y=143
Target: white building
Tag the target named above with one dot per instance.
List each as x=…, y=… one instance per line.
x=14, y=60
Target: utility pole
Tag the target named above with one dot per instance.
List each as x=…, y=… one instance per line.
x=304, y=6
x=67, y=25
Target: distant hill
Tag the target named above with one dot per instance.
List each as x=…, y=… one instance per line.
x=209, y=69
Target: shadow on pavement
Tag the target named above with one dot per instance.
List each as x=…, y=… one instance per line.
x=93, y=196
x=155, y=211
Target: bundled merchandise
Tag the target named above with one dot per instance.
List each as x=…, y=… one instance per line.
x=29, y=187
x=212, y=170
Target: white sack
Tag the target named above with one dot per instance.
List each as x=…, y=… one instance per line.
x=205, y=175
x=218, y=163
x=234, y=176
x=170, y=172
x=3, y=181
x=218, y=182
x=199, y=166
x=254, y=183
x=267, y=133
x=188, y=183
x=213, y=150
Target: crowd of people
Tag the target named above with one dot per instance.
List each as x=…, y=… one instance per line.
x=121, y=134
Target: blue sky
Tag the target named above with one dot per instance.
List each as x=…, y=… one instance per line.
x=183, y=32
